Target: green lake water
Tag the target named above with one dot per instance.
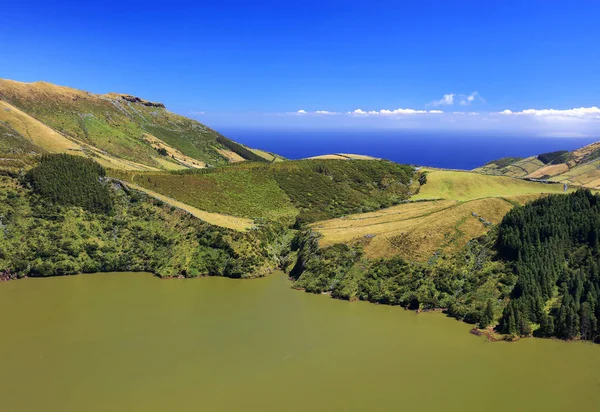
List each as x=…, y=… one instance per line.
x=133, y=342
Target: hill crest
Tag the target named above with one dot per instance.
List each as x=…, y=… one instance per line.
x=120, y=130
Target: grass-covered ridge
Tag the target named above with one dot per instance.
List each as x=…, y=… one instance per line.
x=306, y=190
x=112, y=125
x=580, y=167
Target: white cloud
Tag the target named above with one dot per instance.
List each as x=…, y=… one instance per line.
x=303, y=112
x=198, y=113
x=448, y=99
x=462, y=99
x=395, y=112
x=581, y=113
x=467, y=99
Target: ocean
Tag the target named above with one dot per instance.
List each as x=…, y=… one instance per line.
x=436, y=149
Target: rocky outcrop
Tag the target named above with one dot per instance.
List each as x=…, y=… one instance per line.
x=134, y=99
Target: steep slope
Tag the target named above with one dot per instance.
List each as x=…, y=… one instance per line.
x=580, y=167
x=115, y=127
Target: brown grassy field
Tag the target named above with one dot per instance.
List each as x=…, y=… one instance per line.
x=38, y=133
x=231, y=156
x=468, y=204
x=550, y=170
x=417, y=230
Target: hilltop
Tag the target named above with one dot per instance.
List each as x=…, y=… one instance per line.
x=580, y=167
x=119, y=131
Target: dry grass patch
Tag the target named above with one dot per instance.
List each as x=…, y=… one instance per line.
x=416, y=231
x=550, y=170
x=231, y=156
x=38, y=133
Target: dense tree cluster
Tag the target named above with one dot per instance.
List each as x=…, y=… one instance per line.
x=553, y=246
x=71, y=181
x=141, y=234
x=560, y=156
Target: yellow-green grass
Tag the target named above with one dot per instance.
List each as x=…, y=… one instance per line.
x=468, y=204
x=233, y=157
x=169, y=165
x=38, y=133
x=530, y=164
x=454, y=185
x=520, y=168
x=417, y=230
x=267, y=156
x=585, y=175
x=217, y=219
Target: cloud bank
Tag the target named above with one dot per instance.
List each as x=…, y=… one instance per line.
x=574, y=122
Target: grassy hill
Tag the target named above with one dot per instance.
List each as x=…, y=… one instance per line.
x=467, y=206
x=307, y=190
x=580, y=167
x=118, y=130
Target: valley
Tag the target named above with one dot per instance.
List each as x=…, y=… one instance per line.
x=117, y=183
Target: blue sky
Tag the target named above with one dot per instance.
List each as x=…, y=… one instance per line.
x=343, y=63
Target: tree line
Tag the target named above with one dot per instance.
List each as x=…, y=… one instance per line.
x=552, y=245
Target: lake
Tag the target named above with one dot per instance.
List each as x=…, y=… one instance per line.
x=133, y=342
x=466, y=150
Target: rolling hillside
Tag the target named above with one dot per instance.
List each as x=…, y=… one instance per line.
x=580, y=167
x=118, y=130
x=302, y=191
x=450, y=209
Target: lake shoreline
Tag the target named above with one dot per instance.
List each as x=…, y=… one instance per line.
x=488, y=333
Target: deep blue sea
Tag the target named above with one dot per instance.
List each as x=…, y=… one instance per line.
x=436, y=149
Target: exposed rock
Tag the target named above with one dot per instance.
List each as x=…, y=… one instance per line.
x=134, y=99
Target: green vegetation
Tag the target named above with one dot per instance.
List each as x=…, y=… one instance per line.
x=71, y=181
x=42, y=234
x=444, y=184
x=553, y=246
x=560, y=156
x=503, y=162
x=537, y=272
x=307, y=190
x=239, y=149
x=469, y=286
x=123, y=126
x=13, y=143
